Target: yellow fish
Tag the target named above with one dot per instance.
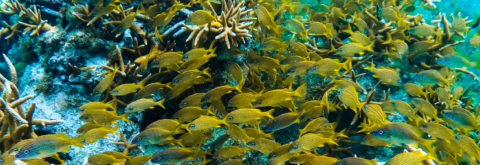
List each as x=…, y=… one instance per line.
x=192, y=100
x=350, y=49
x=247, y=115
x=188, y=114
x=44, y=146
x=281, y=121
x=414, y=90
x=92, y=136
x=167, y=124
x=200, y=17
x=102, y=116
x=104, y=159
x=308, y=142
x=265, y=146
x=228, y=152
x=195, y=63
x=355, y=161
x=177, y=155
x=154, y=136
x=399, y=134
x=204, y=123
x=438, y=130
x=414, y=157
x=106, y=82
x=216, y=94
x=98, y=105
x=349, y=98
x=143, y=104
x=238, y=133
x=168, y=60
x=388, y=76
x=126, y=89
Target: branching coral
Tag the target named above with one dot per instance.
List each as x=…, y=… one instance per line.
x=15, y=125
x=231, y=26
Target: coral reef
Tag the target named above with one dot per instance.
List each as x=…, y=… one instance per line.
x=261, y=82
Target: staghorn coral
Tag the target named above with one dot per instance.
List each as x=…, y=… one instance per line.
x=231, y=26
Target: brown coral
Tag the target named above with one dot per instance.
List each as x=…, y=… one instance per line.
x=230, y=26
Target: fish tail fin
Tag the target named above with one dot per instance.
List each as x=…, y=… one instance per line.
x=124, y=117
x=269, y=113
x=371, y=67
x=347, y=65
x=369, y=47
x=160, y=103
x=301, y=91
x=77, y=141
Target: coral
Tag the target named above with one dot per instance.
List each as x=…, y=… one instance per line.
x=232, y=25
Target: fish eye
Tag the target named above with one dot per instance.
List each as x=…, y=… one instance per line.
x=155, y=63
x=425, y=126
x=380, y=132
x=192, y=126
x=394, y=103
x=340, y=50
x=417, y=101
x=25, y=151
x=274, y=155
x=14, y=150
x=230, y=117
x=259, y=102
x=185, y=103
x=175, y=81
x=184, y=67
x=115, y=91
x=130, y=108
x=230, y=103
x=84, y=117
x=314, y=68
x=185, y=57
x=365, y=106
x=295, y=147
x=251, y=143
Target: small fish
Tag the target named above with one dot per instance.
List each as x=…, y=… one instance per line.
x=238, y=133
x=371, y=140
x=198, y=52
x=355, y=161
x=195, y=63
x=154, y=136
x=233, y=162
x=102, y=116
x=86, y=127
x=265, y=18
x=349, y=98
x=216, y=94
x=414, y=157
x=431, y=77
x=98, y=105
x=375, y=117
x=301, y=68
x=400, y=106
x=139, y=160
x=255, y=133
x=444, y=95
x=308, y=142
x=312, y=159
x=317, y=125
x=45, y=146
x=350, y=49
x=175, y=155
x=468, y=145
x=265, y=146
x=414, y=90
x=358, y=37
x=168, y=60
x=150, y=89
x=236, y=73
x=328, y=67
x=390, y=13
x=193, y=139
x=167, y=124
x=143, y=104
x=274, y=45
x=192, y=100
x=422, y=30
x=281, y=121
x=401, y=47
x=188, y=114
x=204, y=123
x=455, y=61
x=299, y=49
x=106, y=82
x=438, y=130
x=461, y=118
x=278, y=97
x=317, y=28
x=105, y=159
x=399, y=134
x=200, y=17
x=126, y=89
x=425, y=107
x=243, y=100
x=247, y=115
x=229, y=152
x=387, y=75
x=92, y=136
